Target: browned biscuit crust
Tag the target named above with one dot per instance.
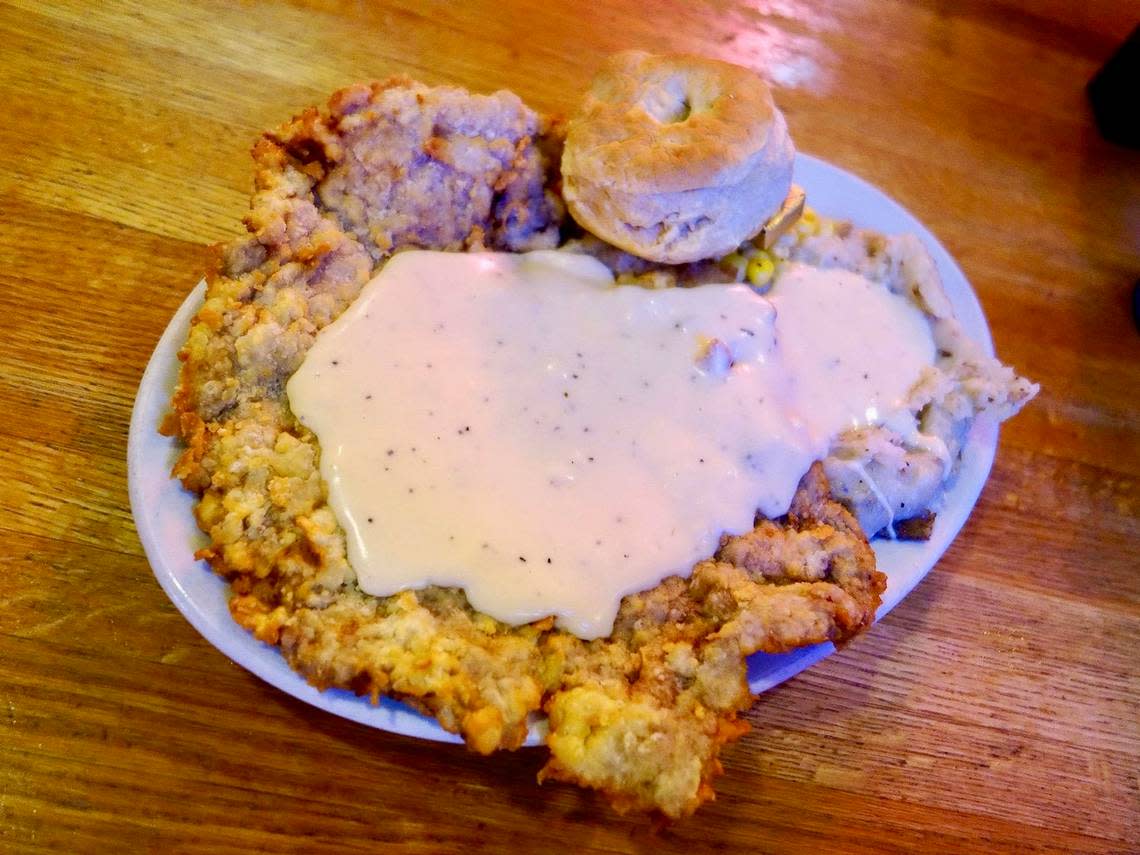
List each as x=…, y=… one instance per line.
x=676, y=158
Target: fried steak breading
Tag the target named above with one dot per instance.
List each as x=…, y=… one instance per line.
x=389, y=166
x=640, y=715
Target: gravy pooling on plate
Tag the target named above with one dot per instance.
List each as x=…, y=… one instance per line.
x=520, y=427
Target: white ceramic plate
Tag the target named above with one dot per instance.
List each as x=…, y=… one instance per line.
x=163, y=511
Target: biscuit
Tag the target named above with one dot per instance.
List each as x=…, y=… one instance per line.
x=676, y=158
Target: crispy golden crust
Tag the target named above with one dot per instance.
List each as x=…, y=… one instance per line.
x=640, y=715
x=663, y=124
x=676, y=158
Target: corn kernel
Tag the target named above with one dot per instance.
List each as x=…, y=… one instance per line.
x=734, y=264
x=761, y=268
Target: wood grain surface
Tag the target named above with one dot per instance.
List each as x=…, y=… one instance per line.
x=997, y=709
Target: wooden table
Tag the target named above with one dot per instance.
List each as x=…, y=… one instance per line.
x=996, y=710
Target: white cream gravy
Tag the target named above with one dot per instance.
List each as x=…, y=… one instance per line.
x=520, y=427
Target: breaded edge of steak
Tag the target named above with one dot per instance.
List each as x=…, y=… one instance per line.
x=640, y=715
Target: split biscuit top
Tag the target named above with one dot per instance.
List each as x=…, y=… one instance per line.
x=676, y=158
x=658, y=124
